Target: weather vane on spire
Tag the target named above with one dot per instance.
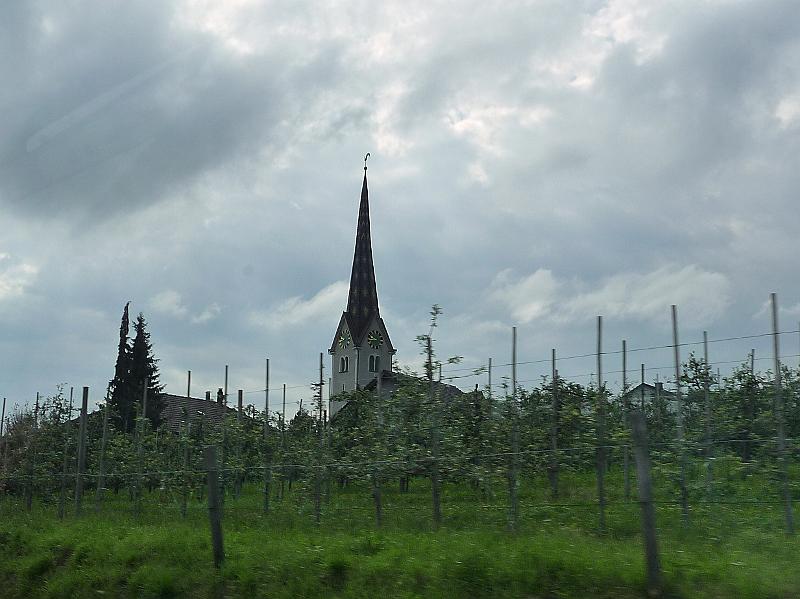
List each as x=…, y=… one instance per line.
x=365, y=161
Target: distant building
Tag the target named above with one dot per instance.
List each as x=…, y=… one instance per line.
x=179, y=408
x=645, y=394
x=361, y=347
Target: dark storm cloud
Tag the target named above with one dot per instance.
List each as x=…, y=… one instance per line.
x=115, y=108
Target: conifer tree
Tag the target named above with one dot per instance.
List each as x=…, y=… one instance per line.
x=121, y=399
x=135, y=364
x=144, y=367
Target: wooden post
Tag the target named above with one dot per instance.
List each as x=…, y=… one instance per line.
x=81, y=469
x=641, y=390
x=3, y=439
x=30, y=458
x=140, y=449
x=600, y=466
x=283, y=441
x=653, y=566
x=98, y=497
x=626, y=407
x=266, y=392
x=435, y=482
x=318, y=469
x=679, y=402
x=187, y=453
x=238, y=479
x=223, y=476
x=707, y=406
x=2, y=422
x=554, y=426
x=225, y=392
x=188, y=383
x=376, y=478
x=2, y=418
x=5, y=449
x=62, y=498
x=779, y=419
x=214, y=506
x=267, y=448
x=490, y=380
x=513, y=474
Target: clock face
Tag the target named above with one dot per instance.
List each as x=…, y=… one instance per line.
x=375, y=339
x=344, y=339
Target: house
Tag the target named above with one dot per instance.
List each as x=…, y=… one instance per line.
x=177, y=409
x=645, y=394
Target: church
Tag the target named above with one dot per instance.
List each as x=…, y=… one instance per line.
x=361, y=349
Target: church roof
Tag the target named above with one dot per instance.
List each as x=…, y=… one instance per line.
x=362, y=300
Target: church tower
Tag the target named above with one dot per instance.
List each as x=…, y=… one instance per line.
x=361, y=348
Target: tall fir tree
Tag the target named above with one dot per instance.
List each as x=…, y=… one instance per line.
x=144, y=367
x=121, y=400
x=135, y=364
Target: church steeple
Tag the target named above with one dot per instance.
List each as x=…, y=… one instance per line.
x=362, y=301
x=361, y=349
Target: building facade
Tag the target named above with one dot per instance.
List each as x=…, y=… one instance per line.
x=361, y=347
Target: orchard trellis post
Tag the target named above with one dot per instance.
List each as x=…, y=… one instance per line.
x=707, y=407
x=626, y=408
x=98, y=497
x=435, y=482
x=214, y=505
x=81, y=465
x=489, y=372
x=225, y=394
x=2, y=421
x=513, y=474
x=283, y=441
x=679, y=403
x=62, y=498
x=554, y=426
x=779, y=419
x=601, y=431
x=643, y=480
x=187, y=453
x=641, y=393
x=142, y=428
x=320, y=455
x=267, y=451
x=376, y=477
x=30, y=458
x=239, y=472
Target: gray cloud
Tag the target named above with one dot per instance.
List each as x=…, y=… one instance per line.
x=203, y=160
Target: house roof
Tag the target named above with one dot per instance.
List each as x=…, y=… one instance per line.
x=391, y=380
x=177, y=408
x=637, y=390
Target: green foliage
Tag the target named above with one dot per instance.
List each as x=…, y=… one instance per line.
x=731, y=550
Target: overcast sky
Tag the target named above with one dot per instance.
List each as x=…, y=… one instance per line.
x=532, y=163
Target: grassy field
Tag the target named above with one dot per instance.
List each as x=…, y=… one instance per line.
x=729, y=550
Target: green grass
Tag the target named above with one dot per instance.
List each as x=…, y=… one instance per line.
x=727, y=551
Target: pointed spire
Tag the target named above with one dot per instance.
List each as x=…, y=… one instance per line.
x=362, y=301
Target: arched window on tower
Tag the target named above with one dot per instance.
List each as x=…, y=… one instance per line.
x=374, y=363
x=344, y=364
